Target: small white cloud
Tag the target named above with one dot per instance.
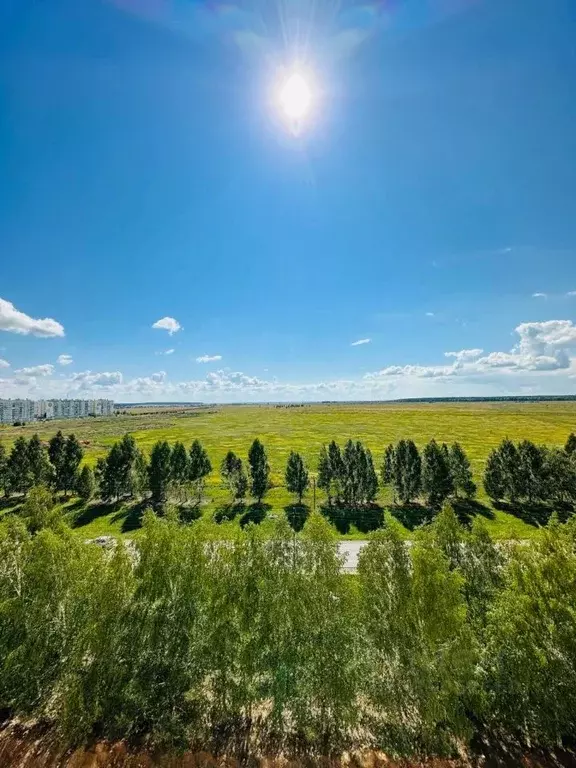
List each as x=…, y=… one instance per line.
x=87, y=379
x=539, y=295
x=65, y=360
x=168, y=352
x=14, y=321
x=37, y=370
x=167, y=324
x=571, y=293
x=429, y=314
x=465, y=354
x=419, y=371
x=208, y=358
x=360, y=341
x=159, y=376
x=4, y=364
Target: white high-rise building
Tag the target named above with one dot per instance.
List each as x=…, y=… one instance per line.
x=16, y=410
x=28, y=410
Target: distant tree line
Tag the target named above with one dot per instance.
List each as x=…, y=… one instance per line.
x=263, y=644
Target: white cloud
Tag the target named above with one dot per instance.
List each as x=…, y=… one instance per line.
x=430, y=314
x=65, y=360
x=37, y=370
x=14, y=321
x=166, y=352
x=360, y=341
x=464, y=355
x=539, y=295
x=542, y=347
x=208, y=358
x=419, y=371
x=153, y=385
x=571, y=293
x=4, y=364
x=542, y=361
x=230, y=380
x=498, y=360
x=542, y=338
x=517, y=362
x=86, y=379
x=167, y=324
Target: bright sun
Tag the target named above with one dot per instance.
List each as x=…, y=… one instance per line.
x=295, y=97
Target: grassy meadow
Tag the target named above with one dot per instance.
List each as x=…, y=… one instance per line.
x=479, y=427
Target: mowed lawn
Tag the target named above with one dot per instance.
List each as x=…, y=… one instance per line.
x=479, y=427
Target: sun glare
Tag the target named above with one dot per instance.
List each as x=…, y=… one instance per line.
x=295, y=97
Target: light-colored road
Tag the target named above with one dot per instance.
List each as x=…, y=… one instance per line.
x=351, y=549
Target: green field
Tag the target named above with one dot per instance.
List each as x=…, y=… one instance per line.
x=479, y=427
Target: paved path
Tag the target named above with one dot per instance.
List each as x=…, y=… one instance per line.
x=351, y=549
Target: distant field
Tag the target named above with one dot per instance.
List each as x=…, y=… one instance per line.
x=477, y=426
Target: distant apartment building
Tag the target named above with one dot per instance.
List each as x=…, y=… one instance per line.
x=29, y=410
x=16, y=410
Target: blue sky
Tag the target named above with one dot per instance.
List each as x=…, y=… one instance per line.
x=148, y=174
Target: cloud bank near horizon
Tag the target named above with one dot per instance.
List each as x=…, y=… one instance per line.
x=542, y=361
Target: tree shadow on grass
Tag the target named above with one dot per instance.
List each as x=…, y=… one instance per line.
x=74, y=506
x=11, y=506
x=131, y=515
x=338, y=517
x=254, y=514
x=564, y=510
x=369, y=518
x=533, y=513
x=497, y=750
x=297, y=514
x=365, y=519
x=467, y=509
x=226, y=512
x=91, y=512
x=412, y=515
x=190, y=513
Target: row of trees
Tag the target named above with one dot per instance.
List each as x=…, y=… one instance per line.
x=529, y=473
x=348, y=477
x=264, y=642
x=522, y=472
x=172, y=471
x=31, y=463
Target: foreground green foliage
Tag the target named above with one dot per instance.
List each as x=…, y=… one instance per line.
x=263, y=642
